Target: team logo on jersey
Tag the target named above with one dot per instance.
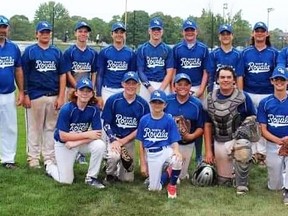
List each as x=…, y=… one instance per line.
x=44, y=66
x=277, y=120
x=261, y=67
x=155, y=135
x=117, y=65
x=81, y=67
x=6, y=61
x=221, y=66
x=126, y=121
x=153, y=62
x=188, y=63
x=79, y=127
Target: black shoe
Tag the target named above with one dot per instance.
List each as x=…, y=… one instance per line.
x=9, y=165
x=285, y=196
x=110, y=179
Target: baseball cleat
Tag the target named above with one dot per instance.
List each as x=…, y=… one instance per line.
x=172, y=191
x=241, y=190
x=94, y=182
x=81, y=159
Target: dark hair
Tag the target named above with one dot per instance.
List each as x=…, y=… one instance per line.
x=228, y=68
x=267, y=42
x=73, y=98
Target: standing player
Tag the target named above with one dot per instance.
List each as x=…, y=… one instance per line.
x=10, y=71
x=121, y=115
x=114, y=61
x=259, y=60
x=226, y=54
x=158, y=136
x=190, y=107
x=155, y=61
x=80, y=61
x=273, y=118
x=226, y=108
x=72, y=134
x=191, y=57
x=44, y=94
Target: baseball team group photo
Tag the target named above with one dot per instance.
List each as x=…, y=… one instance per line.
x=143, y=130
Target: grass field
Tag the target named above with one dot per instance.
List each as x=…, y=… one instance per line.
x=30, y=192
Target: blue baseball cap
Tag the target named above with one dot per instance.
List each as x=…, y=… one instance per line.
x=43, y=25
x=181, y=76
x=225, y=27
x=156, y=22
x=4, y=20
x=118, y=25
x=189, y=24
x=130, y=75
x=82, y=24
x=158, y=95
x=260, y=25
x=84, y=83
x=280, y=71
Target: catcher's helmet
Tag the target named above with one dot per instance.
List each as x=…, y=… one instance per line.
x=204, y=175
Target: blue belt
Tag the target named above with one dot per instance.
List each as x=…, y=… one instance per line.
x=154, y=150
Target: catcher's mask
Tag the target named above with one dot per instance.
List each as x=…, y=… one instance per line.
x=204, y=175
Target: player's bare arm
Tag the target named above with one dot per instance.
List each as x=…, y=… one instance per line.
x=203, y=85
x=176, y=152
x=128, y=138
x=143, y=161
x=209, y=158
x=91, y=134
x=269, y=136
x=71, y=80
x=60, y=99
x=19, y=77
x=240, y=83
x=167, y=79
x=192, y=136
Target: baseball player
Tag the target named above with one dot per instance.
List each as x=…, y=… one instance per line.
x=121, y=116
x=191, y=57
x=226, y=54
x=10, y=71
x=259, y=60
x=114, y=61
x=72, y=134
x=80, y=61
x=181, y=103
x=273, y=118
x=158, y=136
x=44, y=94
x=155, y=61
x=226, y=108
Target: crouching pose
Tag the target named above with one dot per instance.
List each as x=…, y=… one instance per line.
x=159, y=136
x=226, y=108
x=72, y=135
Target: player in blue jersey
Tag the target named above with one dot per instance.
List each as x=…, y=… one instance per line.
x=121, y=116
x=10, y=71
x=44, y=94
x=226, y=54
x=273, y=118
x=155, y=61
x=159, y=136
x=225, y=109
x=78, y=128
x=191, y=57
x=259, y=60
x=181, y=103
x=80, y=61
x=114, y=61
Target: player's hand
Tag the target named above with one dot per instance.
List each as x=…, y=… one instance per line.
x=116, y=146
x=100, y=102
x=209, y=158
x=27, y=102
x=178, y=155
x=285, y=140
x=144, y=169
x=71, y=144
x=58, y=103
x=20, y=98
x=94, y=134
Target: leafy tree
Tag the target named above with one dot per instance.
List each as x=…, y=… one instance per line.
x=21, y=29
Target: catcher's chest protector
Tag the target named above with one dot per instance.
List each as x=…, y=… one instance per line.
x=224, y=114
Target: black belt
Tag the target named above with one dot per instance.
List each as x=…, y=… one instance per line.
x=154, y=150
x=49, y=94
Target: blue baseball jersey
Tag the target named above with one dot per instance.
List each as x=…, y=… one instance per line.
x=191, y=61
x=80, y=63
x=258, y=68
x=42, y=69
x=219, y=58
x=153, y=61
x=72, y=119
x=113, y=64
x=10, y=58
x=123, y=117
x=157, y=132
x=191, y=110
x=274, y=113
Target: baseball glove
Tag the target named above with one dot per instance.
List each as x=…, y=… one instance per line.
x=249, y=129
x=184, y=125
x=126, y=159
x=283, y=151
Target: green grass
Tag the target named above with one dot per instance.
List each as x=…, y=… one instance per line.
x=30, y=192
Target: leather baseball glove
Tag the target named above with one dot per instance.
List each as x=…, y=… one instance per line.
x=184, y=125
x=249, y=129
x=283, y=151
x=126, y=159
